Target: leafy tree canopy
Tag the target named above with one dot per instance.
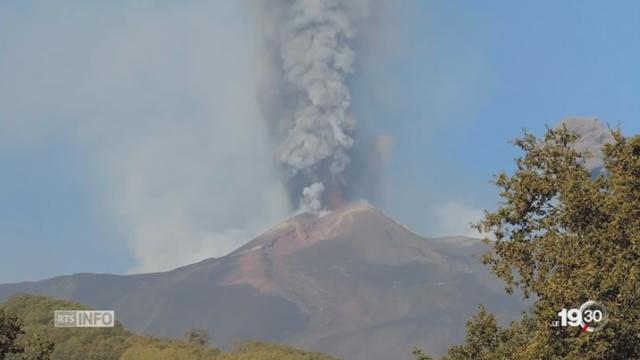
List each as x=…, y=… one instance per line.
x=564, y=236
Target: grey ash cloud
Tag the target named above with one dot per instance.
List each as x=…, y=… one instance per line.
x=594, y=134
x=306, y=98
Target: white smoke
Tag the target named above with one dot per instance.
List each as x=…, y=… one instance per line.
x=311, y=45
x=594, y=134
x=155, y=98
x=311, y=195
x=455, y=218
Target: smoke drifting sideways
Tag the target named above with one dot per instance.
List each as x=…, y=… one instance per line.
x=594, y=134
x=308, y=49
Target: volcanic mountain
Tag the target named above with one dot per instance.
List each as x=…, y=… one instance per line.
x=352, y=283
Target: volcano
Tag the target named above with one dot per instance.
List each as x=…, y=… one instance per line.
x=352, y=283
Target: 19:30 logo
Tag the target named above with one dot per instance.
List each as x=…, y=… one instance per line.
x=590, y=317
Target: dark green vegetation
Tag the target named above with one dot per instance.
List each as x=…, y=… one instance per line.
x=27, y=332
x=197, y=337
x=565, y=237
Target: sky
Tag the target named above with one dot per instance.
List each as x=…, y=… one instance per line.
x=131, y=138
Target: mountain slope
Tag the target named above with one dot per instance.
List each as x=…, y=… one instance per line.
x=353, y=283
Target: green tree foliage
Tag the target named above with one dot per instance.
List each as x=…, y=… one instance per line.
x=15, y=345
x=418, y=354
x=10, y=330
x=70, y=343
x=37, y=348
x=197, y=337
x=159, y=349
x=565, y=237
x=483, y=338
x=255, y=350
x=26, y=342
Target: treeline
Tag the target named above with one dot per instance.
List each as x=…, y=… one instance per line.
x=27, y=333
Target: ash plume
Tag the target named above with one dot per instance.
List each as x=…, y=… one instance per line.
x=594, y=134
x=305, y=96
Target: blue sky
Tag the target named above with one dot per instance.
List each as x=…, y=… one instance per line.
x=118, y=121
x=478, y=73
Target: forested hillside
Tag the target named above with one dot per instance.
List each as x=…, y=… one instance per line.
x=27, y=332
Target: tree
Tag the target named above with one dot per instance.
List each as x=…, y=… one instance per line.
x=30, y=326
x=197, y=337
x=420, y=355
x=12, y=341
x=565, y=237
x=10, y=330
x=483, y=338
x=37, y=348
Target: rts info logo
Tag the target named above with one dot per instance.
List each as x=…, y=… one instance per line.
x=84, y=318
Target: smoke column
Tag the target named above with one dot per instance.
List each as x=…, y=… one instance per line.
x=306, y=97
x=594, y=134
